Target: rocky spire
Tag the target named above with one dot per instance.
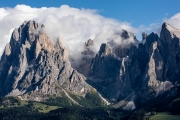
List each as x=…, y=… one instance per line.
x=89, y=43
x=144, y=35
x=86, y=58
x=168, y=45
x=87, y=48
x=104, y=49
x=125, y=34
x=58, y=44
x=169, y=31
x=150, y=39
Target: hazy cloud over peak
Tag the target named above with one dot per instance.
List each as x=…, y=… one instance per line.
x=72, y=25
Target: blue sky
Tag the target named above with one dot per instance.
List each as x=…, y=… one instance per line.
x=137, y=12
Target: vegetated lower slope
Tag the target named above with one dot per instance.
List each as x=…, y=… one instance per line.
x=16, y=109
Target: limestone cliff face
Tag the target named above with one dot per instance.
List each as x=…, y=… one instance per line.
x=32, y=67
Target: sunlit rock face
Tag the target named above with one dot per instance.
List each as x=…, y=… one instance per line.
x=32, y=67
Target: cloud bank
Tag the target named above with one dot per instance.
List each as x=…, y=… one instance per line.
x=73, y=26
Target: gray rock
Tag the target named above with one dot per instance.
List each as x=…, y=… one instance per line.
x=138, y=72
x=89, y=43
x=33, y=68
x=86, y=59
x=144, y=35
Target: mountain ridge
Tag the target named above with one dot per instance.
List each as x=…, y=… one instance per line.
x=141, y=71
x=32, y=68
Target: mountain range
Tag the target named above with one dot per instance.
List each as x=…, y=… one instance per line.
x=125, y=75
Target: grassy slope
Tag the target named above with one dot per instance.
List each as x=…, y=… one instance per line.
x=11, y=102
x=23, y=102
x=164, y=116
x=43, y=107
x=39, y=106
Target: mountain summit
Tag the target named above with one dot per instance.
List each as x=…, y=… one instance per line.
x=32, y=68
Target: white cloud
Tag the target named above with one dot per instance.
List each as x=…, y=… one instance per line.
x=174, y=21
x=73, y=26
x=153, y=27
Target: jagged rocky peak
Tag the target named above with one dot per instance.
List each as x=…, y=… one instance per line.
x=122, y=47
x=122, y=39
x=104, y=49
x=59, y=44
x=125, y=34
x=89, y=42
x=30, y=27
x=28, y=33
x=88, y=52
x=150, y=39
x=32, y=67
x=170, y=31
x=87, y=56
x=100, y=67
x=58, y=47
x=144, y=35
x=169, y=47
x=110, y=73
